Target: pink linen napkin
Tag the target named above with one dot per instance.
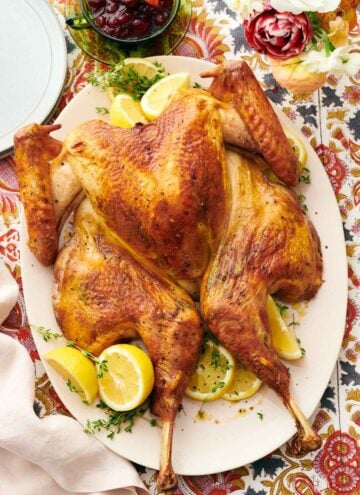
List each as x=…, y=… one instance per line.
x=49, y=456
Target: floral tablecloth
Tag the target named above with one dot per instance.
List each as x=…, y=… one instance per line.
x=330, y=119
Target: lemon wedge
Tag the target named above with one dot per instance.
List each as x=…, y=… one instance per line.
x=283, y=338
x=157, y=98
x=298, y=148
x=126, y=112
x=129, y=379
x=213, y=375
x=142, y=66
x=78, y=371
x=244, y=384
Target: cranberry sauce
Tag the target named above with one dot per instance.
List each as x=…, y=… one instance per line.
x=130, y=18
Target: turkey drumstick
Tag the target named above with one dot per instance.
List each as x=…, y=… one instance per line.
x=102, y=295
x=269, y=246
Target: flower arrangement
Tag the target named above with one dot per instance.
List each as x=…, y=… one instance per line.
x=304, y=39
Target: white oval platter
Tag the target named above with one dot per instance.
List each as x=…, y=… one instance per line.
x=223, y=438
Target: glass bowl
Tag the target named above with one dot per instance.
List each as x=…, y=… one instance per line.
x=86, y=21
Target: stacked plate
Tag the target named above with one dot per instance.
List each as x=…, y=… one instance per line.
x=32, y=66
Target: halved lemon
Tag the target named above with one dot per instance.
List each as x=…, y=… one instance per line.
x=142, y=66
x=283, y=337
x=157, y=98
x=298, y=147
x=129, y=379
x=244, y=384
x=78, y=371
x=126, y=112
x=213, y=375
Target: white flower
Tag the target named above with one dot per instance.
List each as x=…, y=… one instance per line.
x=340, y=61
x=298, y=6
x=245, y=7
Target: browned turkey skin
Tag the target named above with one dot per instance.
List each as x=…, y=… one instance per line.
x=268, y=247
x=168, y=210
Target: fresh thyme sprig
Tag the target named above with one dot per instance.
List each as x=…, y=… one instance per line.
x=116, y=421
x=282, y=308
x=102, y=363
x=125, y=80
x=46, y=333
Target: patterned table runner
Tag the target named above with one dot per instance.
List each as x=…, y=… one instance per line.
x=330, y=119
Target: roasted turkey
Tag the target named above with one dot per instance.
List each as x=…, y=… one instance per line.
x=170, y=211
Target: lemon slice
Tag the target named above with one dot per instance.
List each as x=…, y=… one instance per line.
x=213, y=375
x=244, y=384
x=142, y=66
x=78, y=371
x=298, y=147
x=129, y=379
x=157, y=98
x=283, y=338
x=126, y=112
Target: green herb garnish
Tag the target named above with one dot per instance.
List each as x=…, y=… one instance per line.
x=217, y=387
x=102, y=110
x=102, y=363
x=305, y=176
x=116, y=421
x=302, y=200
x=282, y=309
x=71, y=386
x=125, y=79
x=46, y=333
x=302, y=350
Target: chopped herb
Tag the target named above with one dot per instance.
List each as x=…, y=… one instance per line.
x=215, y=358
x=46, y=333
x=197, y=85
x=116, y=421
x=217, y=387
x=125, y=79
x=305, y=177
x=71, y=386
x=102, y=110
x=302, y=350
x=153, y=422
x=261, y=416
x=302, y=200
x=282, y=308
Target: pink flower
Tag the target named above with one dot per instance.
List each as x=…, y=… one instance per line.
x=279, y=35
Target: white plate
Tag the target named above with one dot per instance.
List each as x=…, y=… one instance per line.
x=32, y=65
x=224, y=439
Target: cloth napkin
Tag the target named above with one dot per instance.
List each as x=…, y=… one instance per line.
x=49, y=456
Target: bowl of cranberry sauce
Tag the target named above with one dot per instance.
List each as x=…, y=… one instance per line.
x=129, y=21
